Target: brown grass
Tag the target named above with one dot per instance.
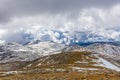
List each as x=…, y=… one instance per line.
x=65, y=61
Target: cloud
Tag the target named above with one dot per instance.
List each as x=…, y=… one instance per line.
x=18, y=8
x=36, y=17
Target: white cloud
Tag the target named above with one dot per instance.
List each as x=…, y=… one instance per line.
x=2, y=32
x=103, y=22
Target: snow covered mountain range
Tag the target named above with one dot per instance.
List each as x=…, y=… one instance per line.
x=72, y=37
x=64, y=37
x=11, y=52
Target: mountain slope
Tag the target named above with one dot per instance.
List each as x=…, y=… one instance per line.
x=50, y=60
x=106, y=49
x=72, y=37
x=45, y=47
x=12, y=52
x=64, y=66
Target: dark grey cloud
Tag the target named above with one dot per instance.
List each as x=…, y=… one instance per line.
x=39, y=17
x=19, y=8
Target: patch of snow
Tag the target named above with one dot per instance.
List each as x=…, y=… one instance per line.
x=48, y=69
x=109, y=65
x=29, y=65
x=60, y=70
x=39, y=64
x=81, y=69
x=80, y=62
x=10, y=72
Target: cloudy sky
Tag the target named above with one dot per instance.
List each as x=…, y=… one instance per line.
x=19, y=18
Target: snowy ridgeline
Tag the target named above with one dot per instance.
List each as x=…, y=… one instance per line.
x=67, y=37
x=11, y=52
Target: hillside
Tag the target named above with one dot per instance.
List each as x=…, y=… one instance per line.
x=46, y=60
x=64, y=66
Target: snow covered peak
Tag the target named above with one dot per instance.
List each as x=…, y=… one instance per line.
x=45, y=47
x=11, y=52
x=66, y=37
x=73, y=37
x=107, y=49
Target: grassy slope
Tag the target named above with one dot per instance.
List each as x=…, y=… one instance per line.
x=60, y=67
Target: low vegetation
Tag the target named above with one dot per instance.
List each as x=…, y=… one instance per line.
x=63, y=66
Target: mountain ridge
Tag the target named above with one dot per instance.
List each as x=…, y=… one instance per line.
x=66, y=37
x=31, y=51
